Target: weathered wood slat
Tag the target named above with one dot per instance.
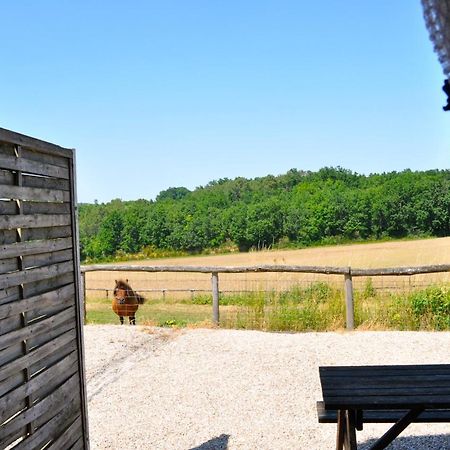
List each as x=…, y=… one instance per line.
x=8, y=265
x=9, y=295
x=22, y=440
x=45, y=182
x=45, y=259
x=32, y=234
x=10, y=353
x=438, y=388
x=45, y=208
x=11, y=324
x=30, y=275
x=53, y=427
x=6, y=177
x=54, y=160
x=37, y=328
x=34, y=247
x=8, y=222
x=50, y=348
x=79, y=445
x=7, y=206
x=10, y=137
x=51, y=359
x=385, y=416
x=7, y=237
x=38, y=301
x=69, y=436
x=56, y=401
x=51, y=310
x=33, y=194
x=51, y=377
x=358, y=371
x=35, y=167
x=43, y=286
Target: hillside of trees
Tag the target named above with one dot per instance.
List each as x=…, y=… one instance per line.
x=295, y=209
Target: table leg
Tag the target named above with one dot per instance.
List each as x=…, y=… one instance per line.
x=351, y=430
x=396, y=429
x=341, y=423
x=346, y=430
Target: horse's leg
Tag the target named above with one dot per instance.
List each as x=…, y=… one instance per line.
x=121, y=320
x=132, y=320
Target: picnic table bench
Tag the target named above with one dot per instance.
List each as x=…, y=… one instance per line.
x=399, y=394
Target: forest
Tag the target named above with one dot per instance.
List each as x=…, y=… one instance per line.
x=296, y=209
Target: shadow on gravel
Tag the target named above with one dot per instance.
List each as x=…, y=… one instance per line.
x=429, y=442
x=218, y=443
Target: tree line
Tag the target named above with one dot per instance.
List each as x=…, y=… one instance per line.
x=297, y=209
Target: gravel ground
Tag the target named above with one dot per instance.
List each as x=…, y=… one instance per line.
x=205, y=389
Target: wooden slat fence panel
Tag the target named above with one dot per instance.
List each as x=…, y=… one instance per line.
x=42, y=381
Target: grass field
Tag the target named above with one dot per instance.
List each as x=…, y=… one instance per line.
x=277, y=301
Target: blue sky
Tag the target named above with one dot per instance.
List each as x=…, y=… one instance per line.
x=155, y=94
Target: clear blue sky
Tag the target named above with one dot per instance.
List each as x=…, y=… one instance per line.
x=155, y=94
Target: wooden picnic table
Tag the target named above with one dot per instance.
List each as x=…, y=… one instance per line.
x=361, y=394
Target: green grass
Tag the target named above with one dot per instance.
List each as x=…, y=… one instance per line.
x=319, y=307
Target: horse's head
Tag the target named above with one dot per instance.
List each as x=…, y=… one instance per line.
x=121, y=291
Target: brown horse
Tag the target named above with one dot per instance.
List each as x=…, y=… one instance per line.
x=126, y=301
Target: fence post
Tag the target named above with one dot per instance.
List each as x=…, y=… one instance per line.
x=83, y=293
x=349, y=307
x=215, y=297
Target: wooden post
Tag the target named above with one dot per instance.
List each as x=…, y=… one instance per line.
x=83, y=293
x=349, y=307
x=215, y=297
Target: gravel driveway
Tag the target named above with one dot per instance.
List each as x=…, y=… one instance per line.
x=203, y=389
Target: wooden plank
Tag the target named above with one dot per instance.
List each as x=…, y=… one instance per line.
x=38, y=341
x=9, y=137
x=69, y=437
x=63, y=341
x=7, y=237
x=79, y=445
x=33, y=194
x=32, y=234
x=8, y=265
x=10, y=353
x=7, y=206
x=79, y=298
x=52, y=428
x=9, y=295
x=38, y=301
x=45, y=208
x=30, y=275
x=6, y=177
x=34, y=248
x=51, y=359
x=45, y=259
x=8, y=222
x=37, y=181
x=29, y=166
x=51, y=310
x=54, y=160
x=42, y=286
x=57, y=400
x=50, y=378
x=11, y=324
x=22, y=434
x=37, y=328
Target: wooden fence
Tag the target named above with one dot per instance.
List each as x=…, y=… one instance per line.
x=42, y=382
x=348, y=274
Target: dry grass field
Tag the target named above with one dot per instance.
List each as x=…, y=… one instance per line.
x=373, y=255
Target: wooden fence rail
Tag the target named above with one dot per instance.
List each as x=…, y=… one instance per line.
x=347, y=272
